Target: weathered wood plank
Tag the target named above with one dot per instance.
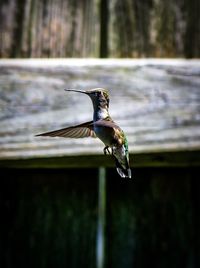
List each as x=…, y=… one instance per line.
x=156, y=102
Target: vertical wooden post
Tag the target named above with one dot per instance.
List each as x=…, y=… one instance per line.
x=100, y=247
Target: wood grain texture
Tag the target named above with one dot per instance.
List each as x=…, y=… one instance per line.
x=156, y=102
x=99, y=28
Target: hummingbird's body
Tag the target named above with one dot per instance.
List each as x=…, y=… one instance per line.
x=102, y=127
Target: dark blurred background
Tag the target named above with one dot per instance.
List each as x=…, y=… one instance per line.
x=49, y=216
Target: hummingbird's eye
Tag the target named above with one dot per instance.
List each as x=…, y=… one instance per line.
x=105, y=95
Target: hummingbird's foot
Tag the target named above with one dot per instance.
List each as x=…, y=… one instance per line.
x=106, y=150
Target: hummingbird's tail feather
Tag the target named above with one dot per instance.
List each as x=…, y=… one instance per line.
x=121, y=156
x=123, y=172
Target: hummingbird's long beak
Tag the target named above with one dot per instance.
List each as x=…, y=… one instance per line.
x=77, y=90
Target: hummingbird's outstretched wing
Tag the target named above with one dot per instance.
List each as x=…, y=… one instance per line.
x=78, y=131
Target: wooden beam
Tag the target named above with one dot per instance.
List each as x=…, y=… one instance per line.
x=155, y=102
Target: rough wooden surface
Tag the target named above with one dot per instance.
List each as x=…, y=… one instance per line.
x=93, y=28
x=156, y=102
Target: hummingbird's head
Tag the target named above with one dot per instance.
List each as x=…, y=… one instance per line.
x=99, y=96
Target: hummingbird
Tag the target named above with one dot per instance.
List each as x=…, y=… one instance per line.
x=103, y=127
